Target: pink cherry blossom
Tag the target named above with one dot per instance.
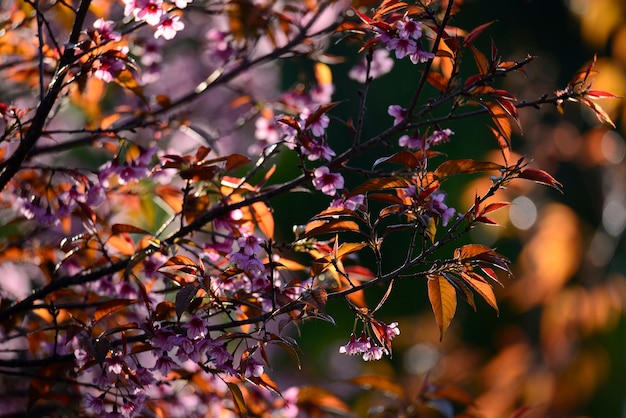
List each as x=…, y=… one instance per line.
x=402, y=46
x=440, y=137
x=196, y=327
x=381, y=64
x=398, y=113
x=105, y=29
x=326, y=181
x=374, y=352
x=354, y=346
x=420, y=55
x=168, y=27
x=410, y=141
x=409, y=28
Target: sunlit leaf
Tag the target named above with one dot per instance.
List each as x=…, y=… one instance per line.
x=125, y=228
x=540, y=176
x=381, y=183
x=263, y=218
x=438, y=81
x=442, y=296
x=403, y=157
x=111, y=306
x=503, y=144
x=481, y=60
x=481, y=287
x=240, y=403
x=332, y=227
x=452, y=167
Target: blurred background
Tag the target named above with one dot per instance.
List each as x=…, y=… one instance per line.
x=559, y=343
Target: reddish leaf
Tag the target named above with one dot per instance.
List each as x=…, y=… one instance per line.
x=313, y=117
x=481, y=287
x=438, y=81
x=263, y=218
x=540, y=176
x=503, y=143
x=403, y=157
x=500, y=117
x=599, y=94
x=381, y=183
x=452, y=167
x=598, y=111
x=125, y=228
x=471, y=37
x=331, y=227
x=235, y=161
x=481, y=61
x=112, y=306
x=471, y=251
x=442, y=296
x=492, y=207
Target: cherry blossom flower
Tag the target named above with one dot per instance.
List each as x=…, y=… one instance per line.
x=196, y=328
x=249, y=244
x=168, y=27
x=392, y=331
x=150, y=11
x=440, y=137
x=420, y=55
x=319, y=125
x=219, y=44
x=350, y=203
x=318, y=150
x=164, y=364
x=105, y=30
x=438, y=206
x=354, y=346
x=253, y=368
x=410, y=141
x=402, y=47
x=398, y=113
x=381, y=64
x=409, y=28
x=265, y=130
x=326, y=181
x=110, y=66
x=374, y=352
x=96, y=404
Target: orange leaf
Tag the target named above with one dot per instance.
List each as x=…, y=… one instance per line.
x=111, y=306
x=331, y=227
x=442, y=296
x=503, y=143
x=452, y=167
x=438, y=81
x=481, y=60
x=481, y=287
x=381, y=183
x=263, y=218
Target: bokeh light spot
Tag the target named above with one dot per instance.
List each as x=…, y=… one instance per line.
x=523, y=213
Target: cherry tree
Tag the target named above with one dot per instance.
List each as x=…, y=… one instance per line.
x=142, y=152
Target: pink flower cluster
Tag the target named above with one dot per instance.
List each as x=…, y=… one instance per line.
x=416, y=142
x=154, y=14
x=403, y=39
x=366, y=347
